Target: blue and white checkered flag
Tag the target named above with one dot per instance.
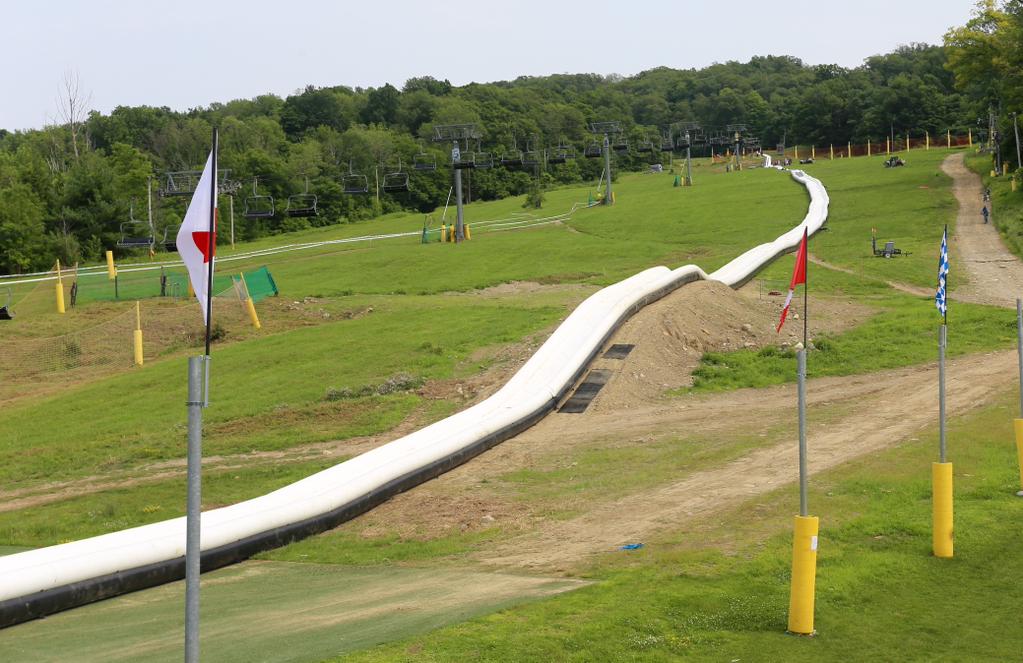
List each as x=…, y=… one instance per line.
x=939, y=298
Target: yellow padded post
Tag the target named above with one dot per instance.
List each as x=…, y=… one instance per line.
x=942, y=535
x=804, y=575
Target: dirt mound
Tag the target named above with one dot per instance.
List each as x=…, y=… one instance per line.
x=671, y=335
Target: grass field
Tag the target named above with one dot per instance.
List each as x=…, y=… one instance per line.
x=715, y=591
x=719, y=590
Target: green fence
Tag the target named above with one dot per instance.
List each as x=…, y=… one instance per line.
x=171, y=282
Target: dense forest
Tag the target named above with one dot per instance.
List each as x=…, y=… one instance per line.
x=66, y=190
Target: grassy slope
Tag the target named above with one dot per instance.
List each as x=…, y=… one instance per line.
x=719, y=591
x=910, y=206
x=268, y=391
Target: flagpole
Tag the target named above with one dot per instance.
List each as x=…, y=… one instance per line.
x=806, y=287
x=941, y=472
x=198, y=398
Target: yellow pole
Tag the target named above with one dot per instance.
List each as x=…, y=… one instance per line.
x=887, y=145
x=969, y=136
x=59, y=290
x=138, y=335
x=813, y=152
x=941, y=480
x=468, y=232
x=111, y=269
x=796, y=152
x=831, y=149
x=927, y=139
x=443, y=232
x=804, y=575
x=1018, y=425
x=907, y=141
x=848, y=147
x=250, y=305
x=868, y=147
x=948, y=139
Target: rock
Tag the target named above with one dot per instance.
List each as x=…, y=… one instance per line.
x=749, y=344
x=795, y=316
x=748, y=328
x=487, y=518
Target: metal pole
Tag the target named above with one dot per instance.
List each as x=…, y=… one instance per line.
x=1015, y=130
x=1019, y=350
x=608, y=200
x=192, y=550
x=689, y=163
x=801, y=374
x=941, y=391
x=459, y=216
x=232, y=221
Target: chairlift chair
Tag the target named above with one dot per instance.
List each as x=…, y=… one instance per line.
x=645, y=147
x=484, y=159
x=593, y=151
x=302, y=204
x=465, y=160
x=396, y=181
x=129, y=232
x=531, y=158
x=620, y=145
x=257, y=206
x=424, y=160
x=511, y=159
x=354, y=182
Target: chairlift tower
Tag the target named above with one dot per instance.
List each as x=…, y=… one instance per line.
x=736, y=131
x=689, y=132
x=608, y=129
x=453, y=133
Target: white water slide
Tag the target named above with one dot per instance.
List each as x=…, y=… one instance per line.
x=40, y=582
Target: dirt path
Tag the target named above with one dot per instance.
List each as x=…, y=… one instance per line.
x=883, y=409
x=996, y=275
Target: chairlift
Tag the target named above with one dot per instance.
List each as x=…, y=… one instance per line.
x=667, y=144
x=620, y=145
x=396, y=181
x=531, y=158
x=645, y=147
x=257, y=206
x=465, y=160
x=354, y=182
x=302, y=204
x=683, y=142
x=512, y=159
x=594, y=150
x=424, y=160
x=561, y=153
x=129, y=232
x=484, y=159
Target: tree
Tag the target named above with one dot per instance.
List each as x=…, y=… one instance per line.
x=72, y=107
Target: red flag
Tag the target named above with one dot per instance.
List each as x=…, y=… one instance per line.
x=798, y=276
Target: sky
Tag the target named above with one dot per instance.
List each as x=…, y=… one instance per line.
x=191, y=53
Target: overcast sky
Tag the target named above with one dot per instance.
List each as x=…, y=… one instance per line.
x=190, y=53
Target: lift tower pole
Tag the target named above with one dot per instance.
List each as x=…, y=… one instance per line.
x=453, y=133
x=607, y=129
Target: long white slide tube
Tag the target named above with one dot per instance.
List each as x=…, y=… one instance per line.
x=43, y=581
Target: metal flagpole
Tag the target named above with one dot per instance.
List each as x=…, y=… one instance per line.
x=1018, y=423
x=941, y=392
x=198, y=398
x=801, y=375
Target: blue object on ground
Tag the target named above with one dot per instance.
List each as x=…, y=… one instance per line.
x=631, y=546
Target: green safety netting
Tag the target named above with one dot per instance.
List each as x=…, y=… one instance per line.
x=166, y=283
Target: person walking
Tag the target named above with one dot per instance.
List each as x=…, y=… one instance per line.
x=983, y=210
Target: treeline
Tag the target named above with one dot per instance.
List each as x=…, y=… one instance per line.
x=66, y=190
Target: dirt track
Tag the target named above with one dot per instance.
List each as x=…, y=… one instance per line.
x=996, y=275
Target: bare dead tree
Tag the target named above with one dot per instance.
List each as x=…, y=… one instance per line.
x=72, y=107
